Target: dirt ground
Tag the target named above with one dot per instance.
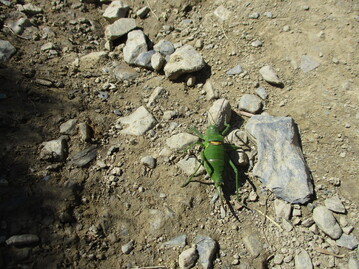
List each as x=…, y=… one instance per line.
x=83, y=219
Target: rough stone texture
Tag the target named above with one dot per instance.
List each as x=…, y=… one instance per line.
x=189, y=166
x=92, y=60
x=157, y=92
x=142, y=13
x=85, y=131
x=302, y=260
x=22, y=240
x=347, y=241
x=119, y=28
x=282, y=209
x=54, y=150
x=261, y=92
x=219, y=113
x=250, y=103
x=84, y=157
x=308, y=64
x=139, y=122
x=269, y=75
x=235, y=70
x=19, y=25
x=157, y=61
x=326, y=222
x=116, y=10
x=123, y=72
x=207, y=248
x=30, y=9
x=181, y=141
x=188, y=258
x=253, y=244
x=222, y=13
x=334, y=204
x=144, y=59
x=179, y=241
x=164, y=47
x=135, y=45
x=68, y=127
x=184, y=60
x=353, y=263
x=128, y=247
x=281, y=166
x=149, y=161
x=6, y=50
x=211, y=92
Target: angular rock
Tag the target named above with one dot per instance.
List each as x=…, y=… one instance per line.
x=54, y=150
x=30, y=9
x=261, y=92
x=19, y=26
x=135, y=45
x=326, y=222
x=119, y=28
x=124, y=72
x=257, y=43
x=281, y=166
x=139, y=122
x=6, y=50
x=207, y=248
x=116, y=10
x=142, y=13
x=188, y=258
x=128, y=247
x=189, y=166
x=253, y=244
x=334, y=204
x=219, y=113
x=23, y=240
x=282, y=209
x=164, y=47
x=250, y=103
x=211, y=92
x=235, y=70
x=181, y=141
x=308, y=64
x=68, y=127
x=85, y=131
x=222, y=13
x=157, y=61
x=144, y=59
x=184, y=60
x=302, y=260
x=149, y=161
x=254, y=15
x=84, y=157
x=179, y=241
x=347, y=241
x=158, y=91
x=269, y=75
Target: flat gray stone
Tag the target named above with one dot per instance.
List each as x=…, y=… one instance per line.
x=326, y=222
x=179, y=241
x=54, y=150
x=308, y=64
x=250, y=103
x=85, y=131
x=334, y=204
x=261, y=92
x=254, y=15
x=6, y=50
x=119, y=28
x=207, y=248
x=219, y=113
x=181, y=141
x=189, y=166
x=269, y=75
x=184, y=60
x=30, y=9
x=235, y=70
x=347, y=241
x=164, y=47
x=84, y=157
x=23, y=240
x=302, y=260
x=281, y=166
x=253, y=244
x=139, y=122
x=188, y=258
x=116, y=10
x=144, y=59
x=135, y=45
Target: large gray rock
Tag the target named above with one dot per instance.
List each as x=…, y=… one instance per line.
x=269, y=75
x=6, y=50
x=139, y=122
x=281, y=166
x=184, y=60
x=219, y=113
x=116, y=10
x=326, y=222
x=135, y=45
x=119, y=28
x=207, y=248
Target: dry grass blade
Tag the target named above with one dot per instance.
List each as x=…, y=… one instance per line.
x=148, y=4
x=326, y=252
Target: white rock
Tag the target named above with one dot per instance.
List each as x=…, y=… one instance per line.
x=250, y=103
x=188, y=258
x=219, y=113
x=68, y=127
x=142, y=13
x=53, y=150
x=116, y=10
x=119, y=28
x=326, y=222
x=269, y=75
x=184, y=60
x=211, y=91
x=181, y=141
x=189, y=166
x=139, y=122
x=85, y=131
x=157, y=61
x=135, y=45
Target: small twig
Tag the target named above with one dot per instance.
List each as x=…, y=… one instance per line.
x=326, y=252
x=244, y=113
x=148, y=4
x=269, y=218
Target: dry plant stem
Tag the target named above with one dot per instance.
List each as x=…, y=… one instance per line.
x=148, y=4
x=244, y=113
x=269, y=218
x=326, y=252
